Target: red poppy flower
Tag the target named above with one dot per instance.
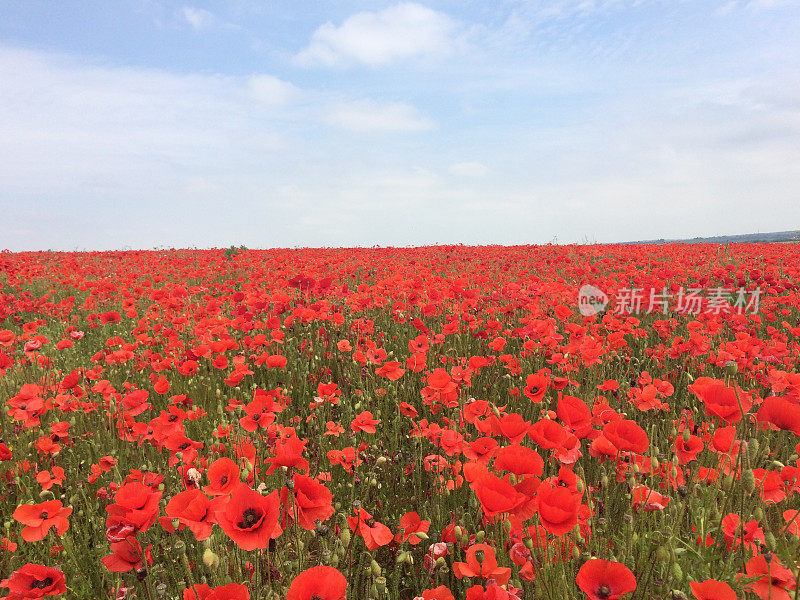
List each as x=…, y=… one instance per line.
x=127, y=555
x=5, y=452
x=250, y=519
x=35, y=581
x=605, y=580
x=773, y=580
x=375, y=534
x=410, y=524
x=318, y=583
x=484, y=566
x=558, y=508
x=626, y=436
x=536, y=386
x=39, y=518
x=519, y=460
x=438, y=593
x=726, y=403
x=190, y=509
x=231, y=591
x=711, y=589
x=364, y=422
x=391, y=370
x=647, y=499
x=312, y=501
x=223, y=475
x=777, y=412
x=137, y=503
x=495, y=495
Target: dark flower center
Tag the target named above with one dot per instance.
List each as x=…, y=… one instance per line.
x=249, y=518
x=42, y=584
x=43, y=515
x=223, y=480
x=604, y=591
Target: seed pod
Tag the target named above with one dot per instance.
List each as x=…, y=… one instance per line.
x=731, y=368
x=380, y=586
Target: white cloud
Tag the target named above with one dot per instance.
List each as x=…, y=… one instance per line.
x=271, y=90
x=198, y=18
x=402, y=31
x=369, y=117
x=468, y=169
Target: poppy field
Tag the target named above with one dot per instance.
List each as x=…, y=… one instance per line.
x=436, y=423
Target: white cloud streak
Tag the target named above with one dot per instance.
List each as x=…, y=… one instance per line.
x=406, y=30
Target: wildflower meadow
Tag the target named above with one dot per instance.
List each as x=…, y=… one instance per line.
x=435, y=423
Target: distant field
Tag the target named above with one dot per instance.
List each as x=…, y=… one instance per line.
x=748, y=238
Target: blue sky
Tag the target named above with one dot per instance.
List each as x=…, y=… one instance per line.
x=140, y=124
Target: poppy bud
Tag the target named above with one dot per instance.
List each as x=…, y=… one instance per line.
x=346, y=537
x=677, y=571
x=401, y=557
x=752, y=450
x=376, y=568
x=480, y=536
x=731, y=368
x=686, y=436
x=749, y=481
x=380, y=461
x=422, y=535
x=528, y=543
x=662, y=554
x=335, y=560
x=210, y=559
x=769, y=539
